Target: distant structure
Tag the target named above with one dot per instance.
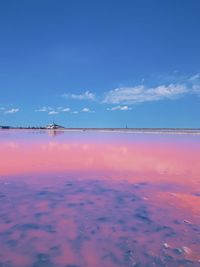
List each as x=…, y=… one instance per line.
x=5, y=127
x=54, y=126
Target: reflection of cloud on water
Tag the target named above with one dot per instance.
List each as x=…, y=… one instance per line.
x=13, y=145
x=157, y=161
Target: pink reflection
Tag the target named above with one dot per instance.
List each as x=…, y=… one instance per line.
x=114, y=202
x=163, y=161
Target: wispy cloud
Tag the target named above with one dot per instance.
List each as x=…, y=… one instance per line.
x=87, y=95
x=44, y=109
x=66, y=109
x=196, y=88
x=53, y=112
x=138, y=94
x=174, y=87
x=11, y=111
x=123, y=108
x=195, y=77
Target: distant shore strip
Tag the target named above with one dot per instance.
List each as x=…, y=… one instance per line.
x=121, y=130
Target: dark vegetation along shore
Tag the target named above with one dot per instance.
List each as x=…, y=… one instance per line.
x=142, y=130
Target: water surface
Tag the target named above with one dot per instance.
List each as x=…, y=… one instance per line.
x=89, y=199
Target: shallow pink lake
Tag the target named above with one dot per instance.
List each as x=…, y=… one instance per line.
x=94, y=199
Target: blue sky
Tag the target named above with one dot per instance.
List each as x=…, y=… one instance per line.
x=100, y=63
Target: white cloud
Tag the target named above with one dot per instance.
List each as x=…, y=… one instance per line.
x=84, y=96
x=138, y=94
x=195, y=77
x=66, y=109
x=196, y=88
x=53, y=112
x=12, y=111
x=119, y=108
x=87, y=110
x=45, y=109
x=123, y=97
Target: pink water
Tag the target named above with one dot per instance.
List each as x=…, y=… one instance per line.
x=85, y=199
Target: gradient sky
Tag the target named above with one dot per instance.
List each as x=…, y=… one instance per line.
x=100, y=63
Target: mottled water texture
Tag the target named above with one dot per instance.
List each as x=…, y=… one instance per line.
x=86, y=199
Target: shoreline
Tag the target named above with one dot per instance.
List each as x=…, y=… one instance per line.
x=195, y=131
